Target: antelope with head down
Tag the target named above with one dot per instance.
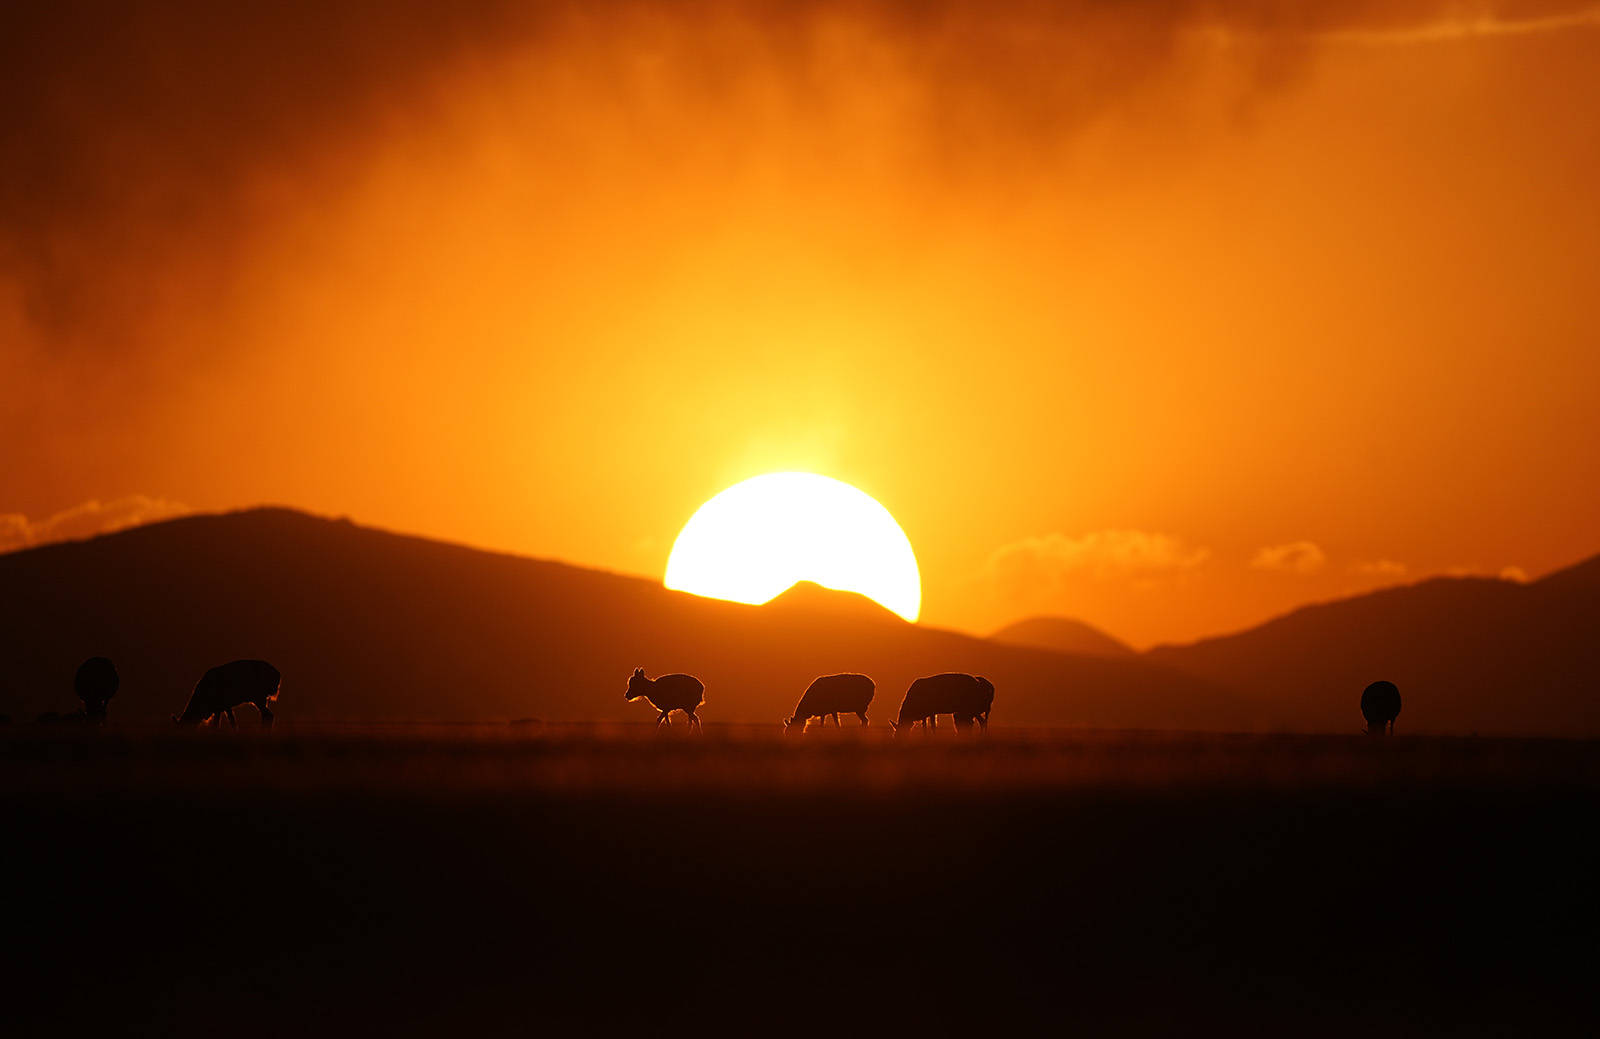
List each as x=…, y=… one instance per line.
x=965, y=697
x=230, y=685
x=832, y=695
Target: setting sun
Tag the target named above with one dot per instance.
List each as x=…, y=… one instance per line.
x=759, y=537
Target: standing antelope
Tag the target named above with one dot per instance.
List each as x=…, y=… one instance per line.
x=667, y=694
x=964, y=696
x=225, y=687
x=829, y=695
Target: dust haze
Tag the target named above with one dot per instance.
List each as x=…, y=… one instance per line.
x=448, y=252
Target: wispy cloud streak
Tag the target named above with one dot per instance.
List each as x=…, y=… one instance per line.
x=84, y=521
x=1476, y=26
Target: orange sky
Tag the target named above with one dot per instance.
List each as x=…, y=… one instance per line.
x=1169, y=318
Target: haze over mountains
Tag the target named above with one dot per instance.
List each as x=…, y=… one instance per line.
x=372, y=626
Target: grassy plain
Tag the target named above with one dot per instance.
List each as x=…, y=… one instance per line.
x=589, y=879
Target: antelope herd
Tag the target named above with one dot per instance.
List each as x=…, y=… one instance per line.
x=967, y=699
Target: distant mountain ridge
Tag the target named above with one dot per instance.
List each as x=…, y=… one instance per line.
x=1063, y=635
x=808, y=596
x=1580, y=575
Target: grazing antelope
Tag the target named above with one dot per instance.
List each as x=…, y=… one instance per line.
x=1380, y=706
x=223, y=688
x=667, y=694
x=829, y=695
x=96, y=683
x=965, y=697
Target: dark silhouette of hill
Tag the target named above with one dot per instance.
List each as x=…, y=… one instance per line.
x=1469, y=655
x=808, y=597
x=1578, y=576
x=373, y=626
x=1063, y=635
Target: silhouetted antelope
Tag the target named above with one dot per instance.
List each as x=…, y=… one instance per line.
x=223, y=688
x=829, y=695
x=96, y=683
x=1380, y=706
x=667, y=694
x=963, y=696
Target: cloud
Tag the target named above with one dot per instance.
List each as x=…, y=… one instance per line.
x=85, y=521
x=1506, y=573
x=1038, y=565
x=1379, y=568
x=141, y=130
x=1296, y=557
x=1459, y=25
x=13, y=531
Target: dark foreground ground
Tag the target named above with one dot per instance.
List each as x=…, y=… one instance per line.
x=517, y=880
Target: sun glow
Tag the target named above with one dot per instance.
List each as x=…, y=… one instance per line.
x=757, y=538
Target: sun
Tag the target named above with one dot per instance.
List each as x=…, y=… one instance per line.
x=757, y=538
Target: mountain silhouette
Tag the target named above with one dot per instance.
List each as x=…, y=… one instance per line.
x=1063, y=635
x=813, y=598
x=367, y=625
x=1469, y=654
x=1578, y=576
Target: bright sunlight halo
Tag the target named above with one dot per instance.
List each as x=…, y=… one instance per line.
x=757, y=538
